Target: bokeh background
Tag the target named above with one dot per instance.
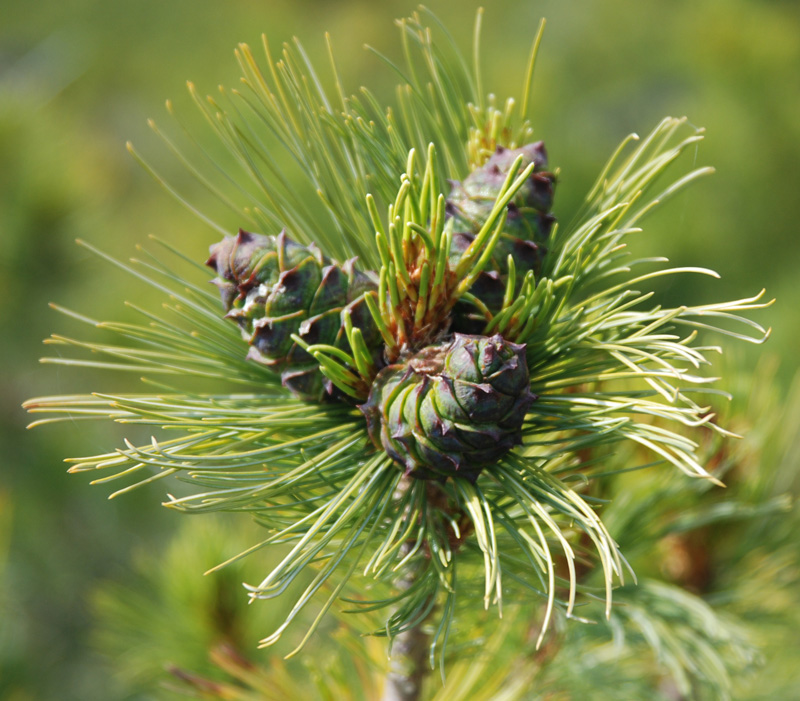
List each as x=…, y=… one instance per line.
x=78, y=78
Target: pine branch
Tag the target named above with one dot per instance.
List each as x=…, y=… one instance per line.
x=363, y=504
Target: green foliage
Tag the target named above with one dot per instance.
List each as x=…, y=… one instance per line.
x=307, y=472
x=689, y=627
x=202, y=361
x=200, y=629
x=342, y=146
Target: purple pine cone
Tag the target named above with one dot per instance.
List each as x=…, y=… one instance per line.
x=451, y=409
x=527, y=227
x=273, y=287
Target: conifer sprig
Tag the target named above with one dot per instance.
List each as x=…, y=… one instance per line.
x=302, y=156
x=659, y=635
x=609, y=366
x=418, y=285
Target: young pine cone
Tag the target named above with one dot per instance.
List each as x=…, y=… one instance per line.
x=527, y=227
x=451, y=409
x=273, y=287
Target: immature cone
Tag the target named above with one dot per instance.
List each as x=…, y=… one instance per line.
x=527, y=227
x=451, y=409
x=273, y=288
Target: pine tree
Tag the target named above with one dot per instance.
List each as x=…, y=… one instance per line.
x=438, y=402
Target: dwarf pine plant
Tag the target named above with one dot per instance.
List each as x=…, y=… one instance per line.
x=426, y=375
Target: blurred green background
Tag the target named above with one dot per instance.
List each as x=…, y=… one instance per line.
x=80, y=77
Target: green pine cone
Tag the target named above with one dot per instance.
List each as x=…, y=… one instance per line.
x=451, y=409
x=528, y=225
x=273, y=287
x=471, y=201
